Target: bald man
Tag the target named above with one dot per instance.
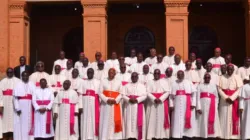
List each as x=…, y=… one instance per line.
x=228, y=60
x=83, y=70
x=123, y=76
x=132, y=59
x=169, y=59
x=39, y=74
x=146, y=76
x=229, y=90
x=7, y=86
x=62, y=61
x=113, y=62
x=98, y=57
x=199, y=68
x=101, y=72
x=217, y=61
x=137, y=67
x=76, y=82
x=152, y=59
x=160, y=65
x=79, y=63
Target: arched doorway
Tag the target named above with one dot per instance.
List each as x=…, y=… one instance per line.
x=141, y=39
x=202, y=41
x=73, y=43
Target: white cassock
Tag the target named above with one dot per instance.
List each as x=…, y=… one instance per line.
x=201, y=73
x=125, y=78
x=60, y=62
x=207, y=102
x=83, y=72
x=151, y=60
x=89, y=102
x=109, y=128
x=158, y=121
x=170, y=80
x=193, y=67
x=112, y=63
x=94, y=65
x=101, y=74
x=76, y=84
x=176, y=68
x=79, y=64
x=67, y=73
x=24, y=124
x=245, y=105
x=67, y=105
x=37, y=76
x=214, y=78
x=229, y=87
x=43, y=98
x=134, y=114
x=130, y=60
x=161, y=66
x=138, y=67
x=145, y=78
x=7, y=86
x=169, y=60
x=117, y=68
x=217, y=62
x=56, y=82
x=192, y=76
x=243, y=72
x=183, y=96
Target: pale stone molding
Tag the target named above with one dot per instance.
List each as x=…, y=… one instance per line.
x=94, y=5
x=176, y=3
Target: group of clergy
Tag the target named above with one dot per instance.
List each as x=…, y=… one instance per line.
x=127, y=98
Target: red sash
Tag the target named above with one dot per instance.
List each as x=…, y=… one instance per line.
x=188, y=107
x=124, y=83
x=8, y=92
x=211, y=116
x=62, y=69
x=216, y=65
x=139, y=117
x=163, y=76
x=58, y=84
x=72, y=115
x=166, y=120
x=29, y=97
x=97, y=109
x=48, y=116
x=117, y=110
x=235, y=113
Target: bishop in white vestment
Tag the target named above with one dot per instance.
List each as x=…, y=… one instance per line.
x=68, y=71
x=24, y=111
x=90, y=108
x=39, y=74
x=134, y=111
x=145, y=77
x=62, y=62
x=67, y=105
x=217, y=61
x=158, y=122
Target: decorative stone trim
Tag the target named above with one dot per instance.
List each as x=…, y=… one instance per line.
x=94, y=5
x=176, y=4
x=17, y=6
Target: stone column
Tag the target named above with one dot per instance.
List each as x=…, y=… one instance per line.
x=19, y=27
x=94, y=28
x=4, y=32
x=177, y=26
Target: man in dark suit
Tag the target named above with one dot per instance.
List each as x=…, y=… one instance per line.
x=22, y=67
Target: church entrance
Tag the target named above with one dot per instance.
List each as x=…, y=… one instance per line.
x=136, y=25
x=141, y=39
x=55, y=26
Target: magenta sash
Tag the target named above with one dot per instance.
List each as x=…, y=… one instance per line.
x=235, y=113
x=188, y=107
x=72, y=115
x=163, y=76
x=211, y=115
x=166, y=119
x=139, y=117
x=62, y=69
x=97, y=109
x=8, y=92
x=48, y=116
x=216, y=65
x=29, y=97
x=37, y=84
x=58, y=84
x=124, y=83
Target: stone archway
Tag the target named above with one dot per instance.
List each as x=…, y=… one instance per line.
x=202, y=41
x=73, y=43
x=139, y=38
